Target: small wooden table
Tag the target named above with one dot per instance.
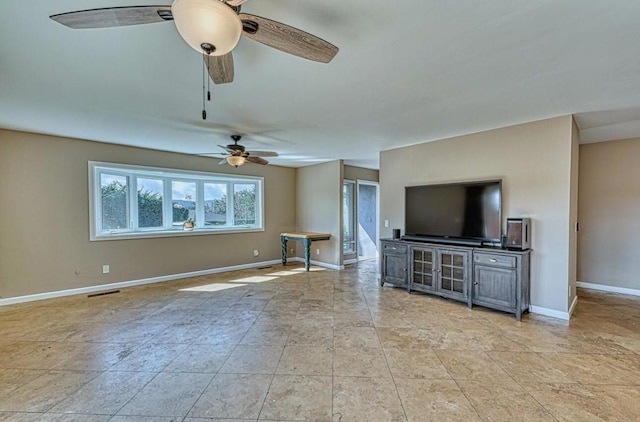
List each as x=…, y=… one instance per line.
x=306, y=239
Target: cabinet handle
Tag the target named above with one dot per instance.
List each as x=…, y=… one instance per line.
x=491, y=260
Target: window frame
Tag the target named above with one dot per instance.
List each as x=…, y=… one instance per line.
x=167, y=175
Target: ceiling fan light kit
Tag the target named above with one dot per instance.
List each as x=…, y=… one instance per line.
x=236, y=160
x=207, y=25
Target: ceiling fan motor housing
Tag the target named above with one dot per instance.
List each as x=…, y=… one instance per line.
x=235, y=147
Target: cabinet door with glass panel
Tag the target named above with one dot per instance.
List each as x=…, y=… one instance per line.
x=453, y=273
x=423, y=269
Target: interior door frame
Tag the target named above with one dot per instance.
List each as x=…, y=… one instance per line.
x=355, y=221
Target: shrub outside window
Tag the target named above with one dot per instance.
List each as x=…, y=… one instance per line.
x=134, y=201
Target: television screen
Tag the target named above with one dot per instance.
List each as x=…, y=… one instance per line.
x=459, y=210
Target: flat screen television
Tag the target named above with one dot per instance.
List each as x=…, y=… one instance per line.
x=468, y=212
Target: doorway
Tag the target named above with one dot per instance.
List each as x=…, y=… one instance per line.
x=367, y=217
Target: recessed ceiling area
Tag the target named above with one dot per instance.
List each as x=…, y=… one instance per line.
x=406, y=73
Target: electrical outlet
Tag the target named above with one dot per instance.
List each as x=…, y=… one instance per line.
x=386, y=223
x=105, y=269
x=317, y=251
x=291, y=251
x=256, y=252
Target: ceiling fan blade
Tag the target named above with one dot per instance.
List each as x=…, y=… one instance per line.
x=287, y=38
x=114, y=16
x=222, y=162
x=262, y=153
x=236, y=3
x=257, y=160
x=226, y=149
x=220, y=68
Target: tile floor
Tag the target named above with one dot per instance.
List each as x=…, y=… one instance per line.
x=281, y=344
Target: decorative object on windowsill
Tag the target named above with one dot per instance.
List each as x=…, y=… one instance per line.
x=236, y=155
x=189, y=225
x=212, y=28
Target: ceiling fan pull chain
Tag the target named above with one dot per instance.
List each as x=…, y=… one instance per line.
x=208, y=79
x=204, y=109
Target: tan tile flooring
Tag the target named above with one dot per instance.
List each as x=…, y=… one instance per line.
x=282, y=344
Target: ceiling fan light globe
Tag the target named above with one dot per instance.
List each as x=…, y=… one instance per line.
x=207, y=21
x=236, y=160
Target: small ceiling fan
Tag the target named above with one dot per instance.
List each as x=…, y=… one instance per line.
x=211, y=27
x=236, y=154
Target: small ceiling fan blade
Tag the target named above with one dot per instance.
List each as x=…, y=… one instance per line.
x=262, y=153
x=236, y=3
x=287, y=38
x=257, y=160
x=220, y=68
x=226, y=149
x=114, y=16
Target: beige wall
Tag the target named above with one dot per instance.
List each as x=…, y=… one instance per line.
x=361, y=173
x=533, y=161
x=319, y=208
x=609, y=213
x=44, y=218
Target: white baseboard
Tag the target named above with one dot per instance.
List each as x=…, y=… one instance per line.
x=318, y=263
x=607, y=288
x=131, y=283
x=553, y=313
x=549, y=312
x=350, y=261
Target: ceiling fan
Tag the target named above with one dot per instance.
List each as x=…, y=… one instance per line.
x=236, y=154
x=211, y=27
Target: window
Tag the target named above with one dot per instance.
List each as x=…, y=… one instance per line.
x=135, y=201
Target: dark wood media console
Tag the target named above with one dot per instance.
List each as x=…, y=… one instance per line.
x=490, y=277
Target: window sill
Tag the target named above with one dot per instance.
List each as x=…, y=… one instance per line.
x=171, y=233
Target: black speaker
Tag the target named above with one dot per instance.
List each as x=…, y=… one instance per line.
x=396, y=233
x=519, y=233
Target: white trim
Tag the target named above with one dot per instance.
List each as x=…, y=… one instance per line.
x=607, y=288
x=134, y=172
x=350, y=261
x=549, y=312
x=573, y=305
x=171, y=233
x=318, y=263
x=354, y=217
x=131, y=283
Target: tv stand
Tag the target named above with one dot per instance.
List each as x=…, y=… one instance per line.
x=485, y=276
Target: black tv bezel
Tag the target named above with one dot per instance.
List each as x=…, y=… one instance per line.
x=454, y=239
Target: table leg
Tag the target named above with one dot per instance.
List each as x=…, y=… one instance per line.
x=307, y=253
x=283, y=241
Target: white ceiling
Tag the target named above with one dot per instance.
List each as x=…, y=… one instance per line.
x=407, y=72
